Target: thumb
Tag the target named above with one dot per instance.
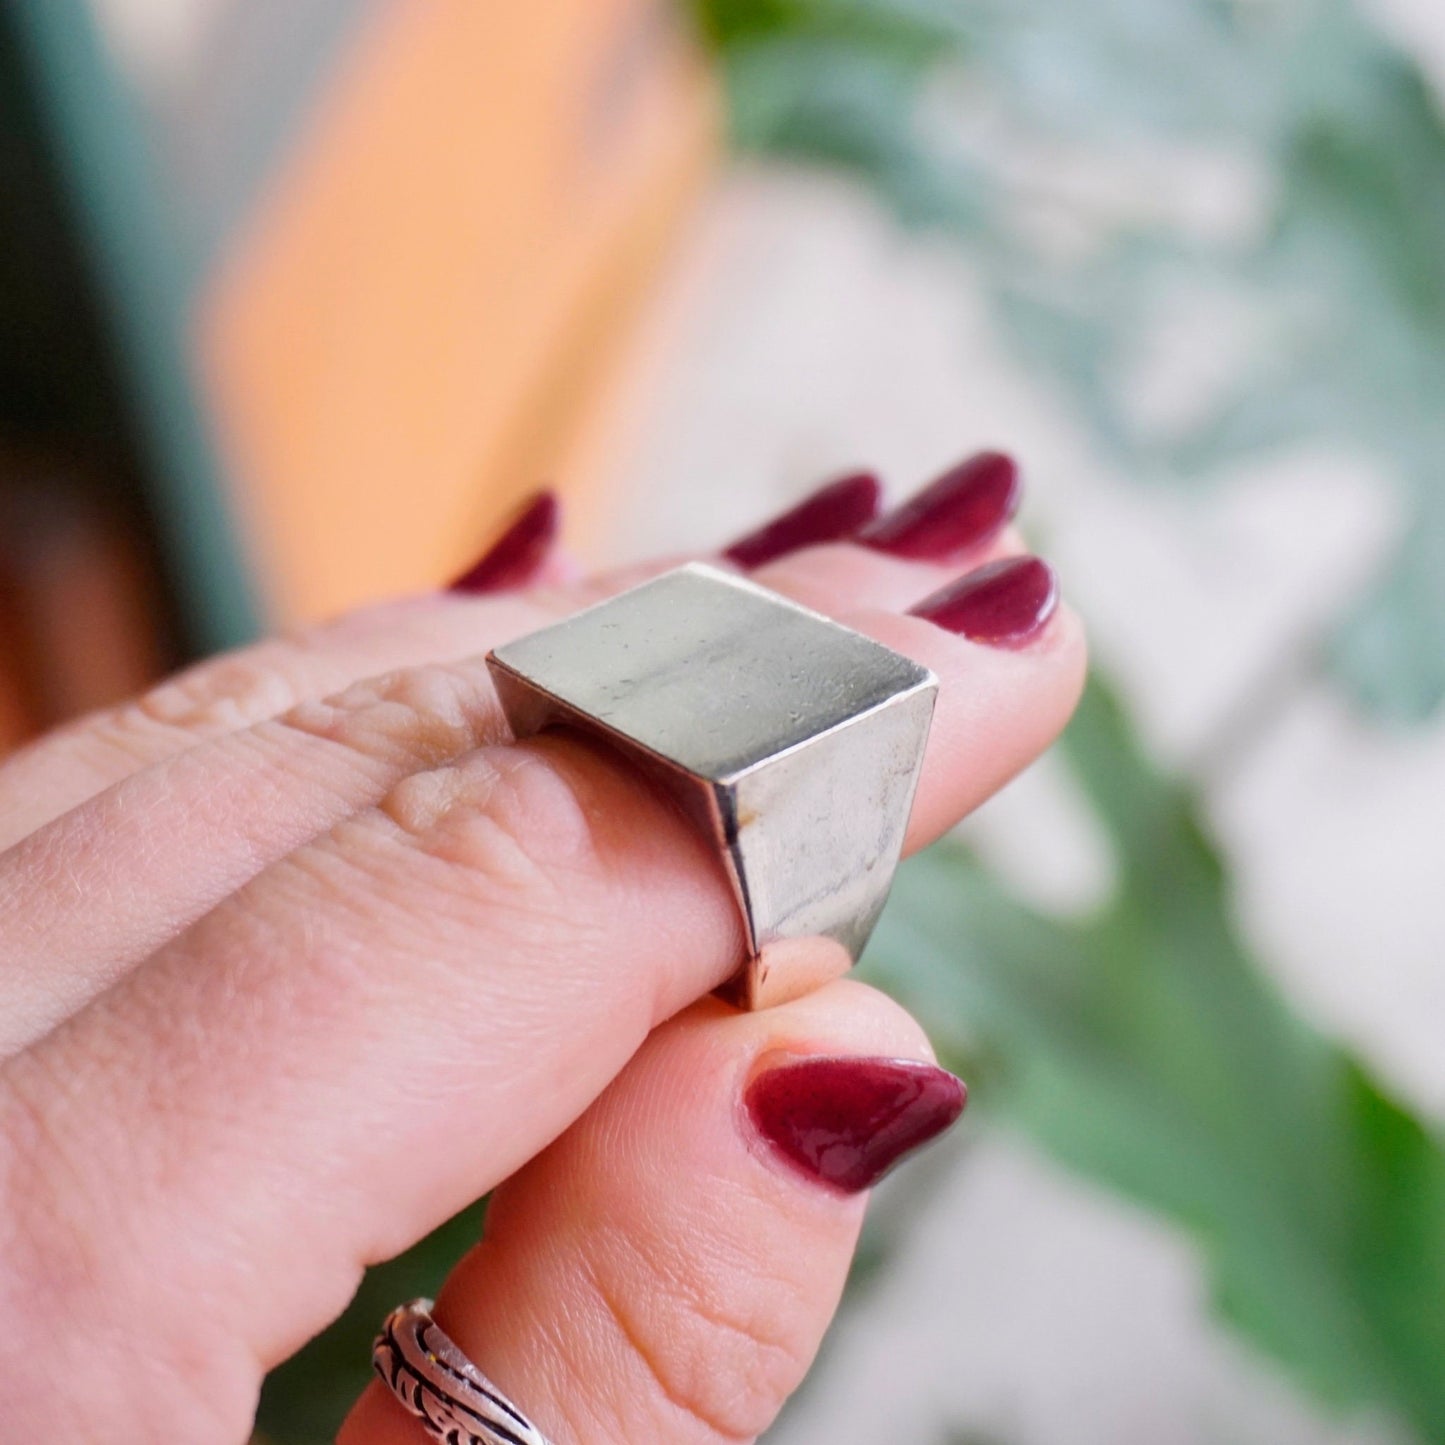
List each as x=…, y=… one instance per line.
x=666, y=1270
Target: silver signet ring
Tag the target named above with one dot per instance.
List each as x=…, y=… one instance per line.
x=794, y=743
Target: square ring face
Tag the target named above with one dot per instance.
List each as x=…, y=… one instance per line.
x=794, y=742
x=711, y=673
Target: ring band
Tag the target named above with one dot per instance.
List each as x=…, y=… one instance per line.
x=455, y=1402
x=793, y=743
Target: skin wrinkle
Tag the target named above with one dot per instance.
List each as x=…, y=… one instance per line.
x=531, y=829
x=670, y=1276
x=204, y=701
x=75, y=1287
x=239, y=689
x=420, y=715
x=130, y=738
x=466, y=828
x=185, y=711
x=678, y=1254
x=696, y=1411
x=39, y=1177
x=777, y=1365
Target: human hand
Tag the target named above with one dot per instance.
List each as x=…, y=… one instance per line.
x=303, y=952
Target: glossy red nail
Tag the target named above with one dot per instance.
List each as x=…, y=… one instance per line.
x=1006, y=603
x=513, y=559
x=830, y=514
x=846, y=1122
x=966, y=506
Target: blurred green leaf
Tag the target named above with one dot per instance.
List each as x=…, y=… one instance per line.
x=979, y=116
x=1145, y=1048
x=913, y=28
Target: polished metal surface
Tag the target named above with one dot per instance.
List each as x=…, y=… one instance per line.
x=454, y=1401
x=795, y=743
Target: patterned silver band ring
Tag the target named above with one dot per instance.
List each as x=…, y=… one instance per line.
x=454, y=1401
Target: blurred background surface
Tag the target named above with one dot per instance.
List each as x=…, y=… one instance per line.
x=297, y=302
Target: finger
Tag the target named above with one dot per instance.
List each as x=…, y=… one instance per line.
x=426, y=995
x=959, y=521
x=99, y=889
x=165, y=845
x=225, y=694
x=664, y=1273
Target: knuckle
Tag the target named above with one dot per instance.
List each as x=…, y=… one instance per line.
x=498, y=840
x=217, y=697
x=505, y=815
x=222, y=695
x=419, y=716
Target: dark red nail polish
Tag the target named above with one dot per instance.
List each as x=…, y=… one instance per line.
x=962, y=509
x=847, y=1122
x=1006, y=603
x=513, y=559
x=830, y=514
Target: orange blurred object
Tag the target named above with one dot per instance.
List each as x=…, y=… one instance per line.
x=416, y=325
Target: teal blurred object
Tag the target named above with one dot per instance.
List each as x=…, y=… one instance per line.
x=85, y=134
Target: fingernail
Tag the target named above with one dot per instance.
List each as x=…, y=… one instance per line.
x=966, y=506
x=513, y=559
x=847, y=1122
x=1005, y=604
x=830, y=514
